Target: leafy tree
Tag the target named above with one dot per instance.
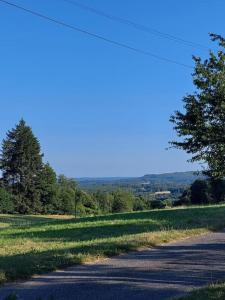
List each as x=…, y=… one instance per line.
x=67, y=188
x=203, y=192
x=85, y=204
x=200, y=192
x=202, y=125
x=123, y=201
x=108, y=203
x=185, y=198
x=158, y=204
x=66, y=182
x=48, y=189
x=140, y=203
x=104, y=201
x=21, y=163
x=217, y=187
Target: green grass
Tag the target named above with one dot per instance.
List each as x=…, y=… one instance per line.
x=7, y=221
x=37, y=244
x=211, y=292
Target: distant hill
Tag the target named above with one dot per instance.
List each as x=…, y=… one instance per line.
x=177, y=177
x=151, y=182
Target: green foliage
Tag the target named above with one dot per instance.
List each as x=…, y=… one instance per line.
x=122, y=202
x=104, y=201
x=175, y=182
x=21, y=162
x=215, y=291
x=85, y=204
x=204, y=192
x=65, y=195
x=168, y=203
x=29, y=185
x=158, y=204
x=202, y=125
x=200, y=192
x=185, y=198
x=6, y=202
x=217, y=189
x=48, y=189
x=140, y=203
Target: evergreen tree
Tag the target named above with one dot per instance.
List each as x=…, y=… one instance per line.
x=202, y=125
x=21, y=163
x=6, y=202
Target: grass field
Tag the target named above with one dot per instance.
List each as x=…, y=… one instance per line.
x=36, y=244
x=7, y=221
x=212, y=292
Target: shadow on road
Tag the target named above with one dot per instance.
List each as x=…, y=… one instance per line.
x=161, y=273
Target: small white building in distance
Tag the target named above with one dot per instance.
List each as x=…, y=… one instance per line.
x=162, y=194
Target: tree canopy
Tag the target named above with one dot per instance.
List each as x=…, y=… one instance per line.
x=201, y=126
x=21, y=164
x=29, y=185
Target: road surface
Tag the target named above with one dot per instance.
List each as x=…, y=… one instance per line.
x=158, y=274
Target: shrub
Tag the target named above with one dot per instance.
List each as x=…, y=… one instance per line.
x=157, y=204
x=169, y=202
x=200, y=192
x=140, y=204
x=217, y=187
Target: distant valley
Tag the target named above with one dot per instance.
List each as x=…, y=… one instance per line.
x=175, y=182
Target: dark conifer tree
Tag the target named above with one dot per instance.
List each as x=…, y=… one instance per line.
x=21, y=164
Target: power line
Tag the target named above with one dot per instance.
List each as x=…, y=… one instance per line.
x=137, y=50
x=137, y=26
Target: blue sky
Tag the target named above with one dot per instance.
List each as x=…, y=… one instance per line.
x=100, y=110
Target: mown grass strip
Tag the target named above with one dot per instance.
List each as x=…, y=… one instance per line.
x=43, y=246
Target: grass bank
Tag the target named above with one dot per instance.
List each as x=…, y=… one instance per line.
x=37, y=244
x=211, y=292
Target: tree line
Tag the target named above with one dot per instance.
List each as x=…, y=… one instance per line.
x=28, y=185
x=203, y=192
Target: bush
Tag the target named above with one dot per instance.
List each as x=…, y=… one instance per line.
x=157, y=204
x=217, y=188
x=140, y=204
x=200, y=192
x=169, y=202
x=185, y=198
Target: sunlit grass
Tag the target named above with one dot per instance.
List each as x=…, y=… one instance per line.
x=211, y=292
x=36, y=244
